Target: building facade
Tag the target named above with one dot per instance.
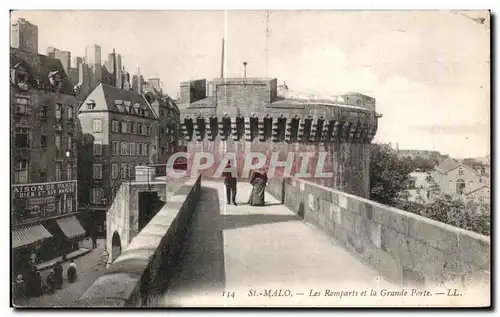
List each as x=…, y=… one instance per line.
x=44, y=133
x=118, y=133
x=459, y=180
x=24, y=36
x=255, y=115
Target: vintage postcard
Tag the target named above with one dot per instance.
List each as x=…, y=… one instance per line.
x=250, y=158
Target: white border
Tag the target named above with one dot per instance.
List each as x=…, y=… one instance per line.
x=185, y=4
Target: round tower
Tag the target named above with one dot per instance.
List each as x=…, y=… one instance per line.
x=244, y=115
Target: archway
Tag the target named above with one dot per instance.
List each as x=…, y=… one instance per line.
x=116, y=246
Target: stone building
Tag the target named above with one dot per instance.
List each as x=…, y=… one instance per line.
x=44, y=130
x=24, y=35
x=459, y=180
x=255, y=115
x=119, y=132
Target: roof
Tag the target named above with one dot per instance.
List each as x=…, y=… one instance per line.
x=473, y=190
x=114, y=99
x=39, y=67
x=448, y=165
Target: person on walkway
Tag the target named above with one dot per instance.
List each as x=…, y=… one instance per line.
x=37, y=285
x=259, y=181
x=94, y=238
x=58, y=275
x=20, y=288
x=231, y=185
x=34, y=258
x=72, y=272
x=50, y=282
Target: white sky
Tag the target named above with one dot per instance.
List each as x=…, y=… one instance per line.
x=428, y=70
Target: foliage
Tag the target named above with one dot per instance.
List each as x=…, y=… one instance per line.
x=389, y=176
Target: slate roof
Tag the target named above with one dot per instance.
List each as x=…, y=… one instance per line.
x=447, y=165
x=112, y=93
x=39, y=67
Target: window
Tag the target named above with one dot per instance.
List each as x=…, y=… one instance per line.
x=450, y=184
x=134, y=128
x=131, y=170
x=97, y=171
x=139, y=126
x=90, y=105
x=23, y=106
x=139, y=149
x=22, y=137
x=124, y=148
x=97, y=195
x=43, y=112
x=21, y=172
x=114, y=171
x=124, y=170
x=124, y=127
x=70, y=112
x=132, y=148
x=480, y=179
x=58, y=141
x=115, y=126
x=148, y=150
x=97, y=125
x=97, y=147
x=69, y=171
x=144, y=149
x=43, y=141
x=69, y=205
x=115, y=147
x=58, y=111
x=460, y=172
x=58, y=171
x=70, y=142
x=146, y=132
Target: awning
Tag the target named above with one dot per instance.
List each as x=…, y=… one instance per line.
x=71, y=227
x=27, y=235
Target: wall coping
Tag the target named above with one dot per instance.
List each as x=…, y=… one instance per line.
x=122, y=279
x=445, y=226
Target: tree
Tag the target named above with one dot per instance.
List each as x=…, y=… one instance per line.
x=389, y=175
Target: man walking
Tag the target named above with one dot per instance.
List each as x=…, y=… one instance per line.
x=231, y=184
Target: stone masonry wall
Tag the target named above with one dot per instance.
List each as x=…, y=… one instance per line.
x=144, y=268
x=405, y=248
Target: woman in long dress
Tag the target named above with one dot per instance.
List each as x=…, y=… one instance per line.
x=259, y=182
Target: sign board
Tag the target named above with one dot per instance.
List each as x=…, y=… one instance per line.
x=43, y=200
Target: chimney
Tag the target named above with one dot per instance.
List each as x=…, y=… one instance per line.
x=80, y=75
x=114, y=69
x=139, y=81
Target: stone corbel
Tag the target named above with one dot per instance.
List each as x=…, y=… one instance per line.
x=262, y=136
x=248, y=130
x=325, y=135
x=234, y=130
x=208, y=130
x=301, y=130
x=288, y=129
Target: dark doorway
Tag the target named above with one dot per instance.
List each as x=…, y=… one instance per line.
x=149, y=205
x=116, y=246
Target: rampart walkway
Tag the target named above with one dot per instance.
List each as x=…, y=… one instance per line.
x=266, y=249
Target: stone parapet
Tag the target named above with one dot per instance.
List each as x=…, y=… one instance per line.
x=405, y=248
x=144, y=268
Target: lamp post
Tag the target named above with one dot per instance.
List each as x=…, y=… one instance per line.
x=245, y=70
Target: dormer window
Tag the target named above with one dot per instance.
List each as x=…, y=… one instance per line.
x=460, y=171
x=19, y=76
x=90, y=104
x=55, y=79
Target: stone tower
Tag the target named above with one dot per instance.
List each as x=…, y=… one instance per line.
x=245, y=115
